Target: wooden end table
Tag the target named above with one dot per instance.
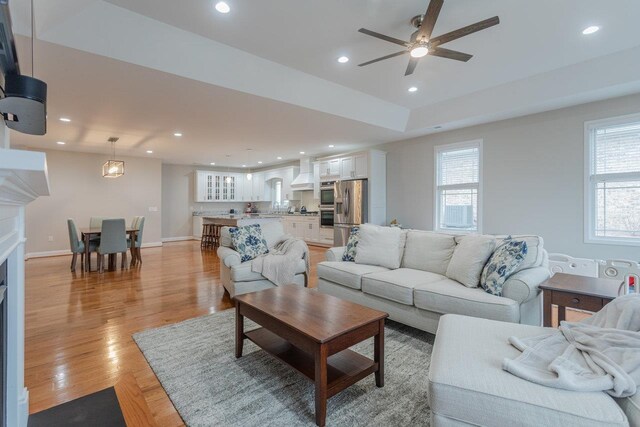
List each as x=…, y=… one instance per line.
x=583, y=293
x=312, y=332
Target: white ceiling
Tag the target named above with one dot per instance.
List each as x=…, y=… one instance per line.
x=265, y=75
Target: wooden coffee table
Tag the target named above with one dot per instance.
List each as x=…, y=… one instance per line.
x=583, y=293
x=312, y=332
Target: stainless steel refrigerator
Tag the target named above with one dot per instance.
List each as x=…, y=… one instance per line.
x=350, y=203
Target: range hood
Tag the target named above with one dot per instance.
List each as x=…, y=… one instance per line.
x=304, y=181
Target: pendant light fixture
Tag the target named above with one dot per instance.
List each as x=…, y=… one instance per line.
x=113, y=168
x=249, y=174
x=228, y=178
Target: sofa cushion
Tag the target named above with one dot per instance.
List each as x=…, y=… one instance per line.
x=248, y=241
x=502, y=264
x=397, y=285
x=631, y=407
x=428, y=251
x=346, y=274
x=352, y=244
x=535, y=250
x=273, y=232
x=379, y=245
x=243, y=273
x=467, y=383
x=469, y=258
x=449, y=296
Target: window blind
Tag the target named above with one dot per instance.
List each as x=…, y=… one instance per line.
x=617, y=149
x=458, y=167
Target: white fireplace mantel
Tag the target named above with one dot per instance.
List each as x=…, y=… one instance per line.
x=23, y=178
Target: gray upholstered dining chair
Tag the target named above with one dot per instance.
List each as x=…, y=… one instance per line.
x=113, y=241
x=138, y=224
x=77, y=245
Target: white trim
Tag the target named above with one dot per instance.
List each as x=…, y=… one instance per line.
x=476, y=143
x=591, y=179
x=179, y=239
x=63, y=252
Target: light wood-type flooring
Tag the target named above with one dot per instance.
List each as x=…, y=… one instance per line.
x=79, y=326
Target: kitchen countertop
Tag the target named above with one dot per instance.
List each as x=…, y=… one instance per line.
x=251, y=216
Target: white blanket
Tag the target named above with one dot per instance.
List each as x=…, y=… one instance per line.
x=601, y=353
x=280, y=264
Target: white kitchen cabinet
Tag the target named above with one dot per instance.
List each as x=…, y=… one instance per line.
x=316, y=180
x=330, y=169
x=326, y=236
x=312, y=230
x=346, y=168
x=257, y=187
x=288, y=175
x=197, y=227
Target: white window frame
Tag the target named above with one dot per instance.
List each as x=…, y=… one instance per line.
x=477, y=143
x=590, y=184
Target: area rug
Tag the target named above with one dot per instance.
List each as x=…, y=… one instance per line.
x=100, y=409
x=195, y=363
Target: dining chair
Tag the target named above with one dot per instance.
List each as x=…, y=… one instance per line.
x=77, y=245
x=113, y=241
x=138, y=224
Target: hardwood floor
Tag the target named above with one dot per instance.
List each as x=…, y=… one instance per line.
x=79, y=326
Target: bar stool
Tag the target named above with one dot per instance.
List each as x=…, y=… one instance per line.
x=216, y=235
x=207, y=236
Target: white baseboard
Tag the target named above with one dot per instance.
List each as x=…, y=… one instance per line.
x=47, y=254
x=179, y=239
x=68, y=252
x=23, y=408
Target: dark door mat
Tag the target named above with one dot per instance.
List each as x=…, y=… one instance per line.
x=100, y=409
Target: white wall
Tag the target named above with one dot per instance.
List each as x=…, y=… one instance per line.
x=79, y=191
x=533, y=177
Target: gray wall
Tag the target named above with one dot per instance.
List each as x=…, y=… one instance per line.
x=79, y=191
x=533, y=177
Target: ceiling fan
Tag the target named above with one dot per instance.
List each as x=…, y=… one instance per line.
x=422, y=44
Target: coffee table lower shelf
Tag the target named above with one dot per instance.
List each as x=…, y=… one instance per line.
x=343, y=369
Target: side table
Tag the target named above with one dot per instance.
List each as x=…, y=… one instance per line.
x=583, y=293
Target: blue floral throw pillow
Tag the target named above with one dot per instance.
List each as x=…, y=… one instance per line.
x=504, y=261
x=248, y=241
x=352, y=243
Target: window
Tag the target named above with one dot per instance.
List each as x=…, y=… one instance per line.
x=277, y=193
x=612, y=199
x=457, y=192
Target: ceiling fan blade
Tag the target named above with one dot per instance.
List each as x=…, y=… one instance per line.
x=430, y=18
x=383, y=37
x=383, y=58
x=412, y=66
x=465, y=31
x=450, y=54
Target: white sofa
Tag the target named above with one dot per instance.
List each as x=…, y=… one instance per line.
x=418, y=293
x=467, y=385
x=237, y=277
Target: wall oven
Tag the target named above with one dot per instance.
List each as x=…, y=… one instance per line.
x=327, y=195
x=326, y=218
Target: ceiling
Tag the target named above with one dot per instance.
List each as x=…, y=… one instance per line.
x=265, y=75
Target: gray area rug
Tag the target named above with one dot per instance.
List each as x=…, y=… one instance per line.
x=194, y=360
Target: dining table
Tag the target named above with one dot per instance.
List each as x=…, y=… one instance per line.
x=89, y=233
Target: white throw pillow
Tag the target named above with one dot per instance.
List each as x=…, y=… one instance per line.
x=469, y=257
x=382, y=246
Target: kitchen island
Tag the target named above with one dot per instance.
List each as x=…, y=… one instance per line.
x=230, y=220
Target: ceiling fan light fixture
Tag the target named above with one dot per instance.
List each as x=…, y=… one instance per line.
x=419, y=51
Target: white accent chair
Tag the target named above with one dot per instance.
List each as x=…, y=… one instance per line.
x=237, y=277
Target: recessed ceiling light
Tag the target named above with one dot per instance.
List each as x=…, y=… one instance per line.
x=413, y=89
x=302, y=152
x=279, y=158
x=590, y=30
x=244, y=166
x=343, y=59
x=222, y=7
x=60, y=142
x=149, y=151
x=65, y=119
x=177, y=134
x=260, y=162
x=331, y=146
x=212, y=163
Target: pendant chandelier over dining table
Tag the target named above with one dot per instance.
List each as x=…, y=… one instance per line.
x=113, y=168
